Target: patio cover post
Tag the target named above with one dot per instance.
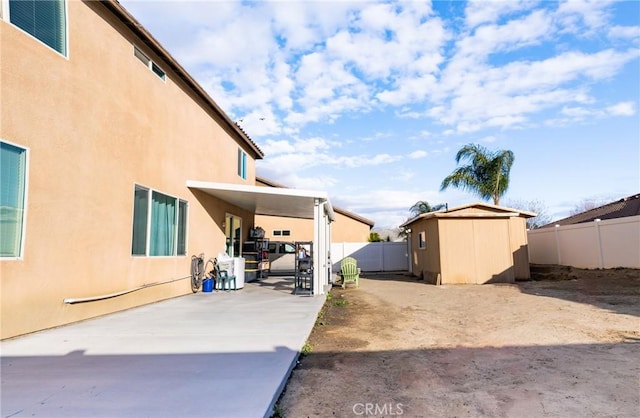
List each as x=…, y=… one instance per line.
x=329, y=267
x=322, y=216
x=318, y=253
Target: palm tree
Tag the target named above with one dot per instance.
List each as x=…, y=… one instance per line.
x=487, y=175
x=423, y=206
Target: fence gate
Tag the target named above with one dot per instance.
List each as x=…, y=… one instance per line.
x=372, y=256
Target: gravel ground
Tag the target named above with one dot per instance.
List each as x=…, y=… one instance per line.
x=396, y=346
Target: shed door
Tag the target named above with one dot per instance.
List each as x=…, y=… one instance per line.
x=494, y=261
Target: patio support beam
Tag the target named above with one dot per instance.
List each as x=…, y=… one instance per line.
x=318, y=250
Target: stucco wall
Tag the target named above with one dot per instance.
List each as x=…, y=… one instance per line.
x=426, y=261
x=300, y=229
x=344, y=229
x=96, y=123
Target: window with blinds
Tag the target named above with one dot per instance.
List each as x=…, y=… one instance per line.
x=43, y=19
x=13, y=173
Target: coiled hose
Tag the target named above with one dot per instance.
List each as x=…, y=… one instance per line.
x=197, y=271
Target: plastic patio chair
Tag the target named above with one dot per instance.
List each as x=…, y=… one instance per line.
x=224, y=279
x=349, y=271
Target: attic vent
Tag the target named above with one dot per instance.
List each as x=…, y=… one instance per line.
x=148, y=63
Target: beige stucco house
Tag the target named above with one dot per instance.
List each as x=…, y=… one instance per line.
x=470, y=244
x=117, y=167
x=347, y=226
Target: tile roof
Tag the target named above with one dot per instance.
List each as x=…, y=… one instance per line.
x=628, y=206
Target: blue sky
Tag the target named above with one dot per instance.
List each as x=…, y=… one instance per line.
x=370, y=101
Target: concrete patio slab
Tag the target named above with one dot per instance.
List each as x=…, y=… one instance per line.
x=222, y=354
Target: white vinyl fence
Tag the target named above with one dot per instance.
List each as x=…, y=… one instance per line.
x=599, y=244
x=372, y=256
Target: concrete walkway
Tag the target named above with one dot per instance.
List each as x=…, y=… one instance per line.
x=203, y=355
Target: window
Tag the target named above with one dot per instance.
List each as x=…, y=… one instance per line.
x=45, y=20
x=422, y=240
x=281, y=248
x=140, y=223
x=281, y=232
x=287, y=248
x=159, y=224
x=242, y=164
x=182, y=227
x=13, y=184
x=148, y=63
x=233, y=233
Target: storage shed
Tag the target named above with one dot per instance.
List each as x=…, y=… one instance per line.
x=470, y=244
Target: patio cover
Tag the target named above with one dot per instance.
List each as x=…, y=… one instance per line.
x=292, y=203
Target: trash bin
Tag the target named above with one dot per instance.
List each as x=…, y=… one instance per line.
x=235, y=267
x=207, y=285
x=238, y=270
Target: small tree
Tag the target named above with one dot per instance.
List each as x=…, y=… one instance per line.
x=536, y=206
x=374, y=237
x=585, y=205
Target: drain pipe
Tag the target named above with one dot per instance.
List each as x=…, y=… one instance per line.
x=71, y=301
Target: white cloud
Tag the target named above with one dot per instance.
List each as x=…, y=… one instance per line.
x=531, y=29
x=506, y=96
x=624, y=32
x=578, y=114
x=418, y=154
x=478, y=12
x=390, y=207
x=282, y=65
x=622, y=109
x=421, y=135
x=582, y=17
x=488, y=139
x=404, y=176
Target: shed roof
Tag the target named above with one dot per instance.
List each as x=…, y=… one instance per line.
x=129, y=21
x=490, y=211
x=627, y=206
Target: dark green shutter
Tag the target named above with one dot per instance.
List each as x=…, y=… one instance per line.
x=182, y=227
x=140, y=216
x=44, y=19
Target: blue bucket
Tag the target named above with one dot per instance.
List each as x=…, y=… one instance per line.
x=207, y=285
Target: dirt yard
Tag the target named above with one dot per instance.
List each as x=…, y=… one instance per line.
x=566, y=346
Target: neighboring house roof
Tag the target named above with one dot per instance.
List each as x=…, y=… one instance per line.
x=457, y=212
x=354, y=216
x=336, y=209
x=269, y=183
x=627, y=206
x=129, y=21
